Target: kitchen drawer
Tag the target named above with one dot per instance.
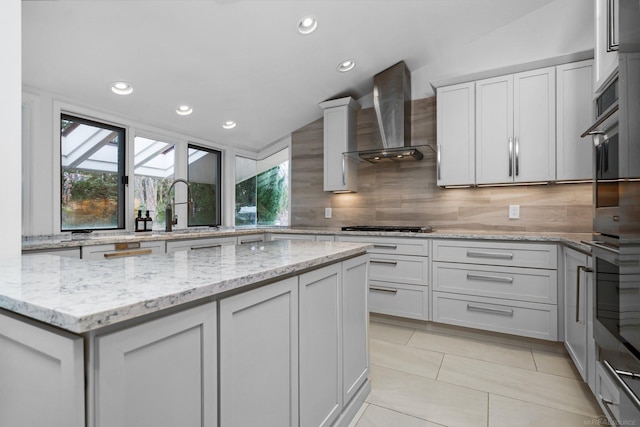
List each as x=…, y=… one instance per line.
x=195, y=244
x=524, y=284
x=122, y=250
x=512, y=317
x=391, y=245
x=607, y=394
x=399, y=300
x=531, y=255
x=398, y=268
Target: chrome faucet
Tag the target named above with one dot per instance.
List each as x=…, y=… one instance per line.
x=170, y=219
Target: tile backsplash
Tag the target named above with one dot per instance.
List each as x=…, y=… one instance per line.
x=405, y=192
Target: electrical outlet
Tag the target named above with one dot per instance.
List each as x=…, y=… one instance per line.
x=514, y=211
x=327, y=212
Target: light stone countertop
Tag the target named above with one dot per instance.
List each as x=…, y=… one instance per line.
x=573, y=240
x=84, y=295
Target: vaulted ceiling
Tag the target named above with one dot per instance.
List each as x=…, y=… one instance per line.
x=244, y=60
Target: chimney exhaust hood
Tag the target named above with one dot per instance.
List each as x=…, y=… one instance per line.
x=392, y=105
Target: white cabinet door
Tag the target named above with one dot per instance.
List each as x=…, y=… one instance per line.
x=320, y=346
x=355, y=321
x=534, y=126
x=41, y=376
x=574, y=115
x=605, y=52
x=577, y=282
x=456, y=135
x=259, y=356
x=159, y=373
x=340, y=172
x=494, y=130
x=515, y=128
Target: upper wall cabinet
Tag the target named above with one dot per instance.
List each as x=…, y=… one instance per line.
x=606, y=49
x=340, y=171
x=574, y=115
x=515, y=128
x=456, y=134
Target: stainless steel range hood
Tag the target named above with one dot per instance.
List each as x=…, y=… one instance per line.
x=392, y=104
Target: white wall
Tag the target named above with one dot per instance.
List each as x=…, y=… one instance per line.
x=522, y=41
x=10, y=119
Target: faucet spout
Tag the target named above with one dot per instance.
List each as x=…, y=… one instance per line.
x=170, y=220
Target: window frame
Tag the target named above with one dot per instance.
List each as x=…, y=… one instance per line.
x=121, y=174
x=218, y=180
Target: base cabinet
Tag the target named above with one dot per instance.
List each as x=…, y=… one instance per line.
x=159, y=373
x=259, y=357
x=578, y=314
x=41, y=376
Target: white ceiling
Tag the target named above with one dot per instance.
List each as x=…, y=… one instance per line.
x=243, y=60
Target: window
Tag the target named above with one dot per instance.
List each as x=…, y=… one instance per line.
x=262, y=190
x=204, y=184
x=154, y=172
x=92, y=175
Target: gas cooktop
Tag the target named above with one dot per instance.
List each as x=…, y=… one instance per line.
x=389, y=228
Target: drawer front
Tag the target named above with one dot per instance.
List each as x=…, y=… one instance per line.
x=249, y=239
x=195, y=244
x=398, y=268
x=390, y=245
x=530, y=255
x=122, y=250
x=399, y=300
x=511, y=317
x=524, y=284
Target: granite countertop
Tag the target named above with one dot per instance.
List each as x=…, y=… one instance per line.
x=84, y=295
x=573, y=240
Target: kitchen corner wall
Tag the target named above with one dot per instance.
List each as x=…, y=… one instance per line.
x=405, y=193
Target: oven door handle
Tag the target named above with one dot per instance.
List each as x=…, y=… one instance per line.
x=597, y=124
x=616, y=377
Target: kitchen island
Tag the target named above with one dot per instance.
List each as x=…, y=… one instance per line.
x=268, y=334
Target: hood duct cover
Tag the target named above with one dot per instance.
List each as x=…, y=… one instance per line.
x=392, y=104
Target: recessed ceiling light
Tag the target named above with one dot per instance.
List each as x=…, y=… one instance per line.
x=229, y=124
x=347, y=65
x=307, y=25
x=121, y=88
x=184, y=110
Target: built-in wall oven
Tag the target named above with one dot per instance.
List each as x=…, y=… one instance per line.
x=616, y=239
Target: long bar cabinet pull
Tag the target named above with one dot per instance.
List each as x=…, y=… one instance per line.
x=586, y=270
x=490, y=310
x=247, y=242
x=381, y=246
x=510, y=156
x=385, y=290
x=438, y=164
x=383, y=261
x=128, y=253
x=517, y=160
x=496, y=255
x=195, y=248
x=490, y=278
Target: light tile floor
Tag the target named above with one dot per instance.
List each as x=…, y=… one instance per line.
x=425, y=374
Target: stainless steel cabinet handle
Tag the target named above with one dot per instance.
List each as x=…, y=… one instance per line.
x=344, y=179
x=383, y=261
x=195, y=248
x=586, y=270
x=612, y=30
x=517, y=160
x=438, y=165
x=495, y=255
x=246, y=242
x=128, y=253
x=385, y=290
x=490, y=310
x=510, y=156
x=378, y=245
x=490, y=278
